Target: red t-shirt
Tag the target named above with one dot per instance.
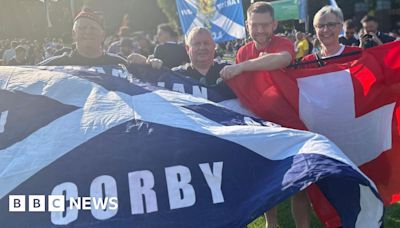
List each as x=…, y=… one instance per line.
x=346, y=59
x=277, y=44
x=257, y=91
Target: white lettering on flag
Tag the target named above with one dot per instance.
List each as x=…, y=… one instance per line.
x=200, y=92
x=102, y=209
x=119, y=73
x=178, y=88
x=3, y=120
x=327, y=107
x=71, y=214
x=214, y=180
x=181, y=193
x=97, y=69
x=141, y=184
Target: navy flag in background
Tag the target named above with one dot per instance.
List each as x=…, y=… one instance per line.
x=169, y=159
x=224, y=19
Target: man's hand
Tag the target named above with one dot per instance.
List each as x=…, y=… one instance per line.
x=135, y=58
x=376, y=39
x=155, y=63
x=230, y=71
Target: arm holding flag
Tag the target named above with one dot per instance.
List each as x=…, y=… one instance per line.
x=272, y=61
x=256, y=167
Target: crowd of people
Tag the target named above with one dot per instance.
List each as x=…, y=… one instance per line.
x=166, y=45
x=197, y=57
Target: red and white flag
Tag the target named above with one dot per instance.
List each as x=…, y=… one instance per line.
x=356, y=105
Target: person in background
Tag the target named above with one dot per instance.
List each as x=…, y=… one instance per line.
x=20, y=57
x=124, y=33
x=1, y=51
x=126, y=47
x=316, y=47
x=370, y=35
x=10, y=53
x=310, y=39
x=301, y=46
x=396, y=31
x=169, y=50
x=144, y=46
x=349, y=39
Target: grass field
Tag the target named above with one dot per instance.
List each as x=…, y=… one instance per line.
x=392, y=218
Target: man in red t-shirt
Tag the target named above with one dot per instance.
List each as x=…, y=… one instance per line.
x=265, y=53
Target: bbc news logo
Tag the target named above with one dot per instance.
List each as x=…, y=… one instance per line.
x=37, y=203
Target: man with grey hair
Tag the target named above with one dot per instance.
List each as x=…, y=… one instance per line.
x=327, y=10
x=201, y=50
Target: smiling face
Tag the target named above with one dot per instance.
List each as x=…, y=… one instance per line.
x=201, y=49
x=261, y=27
x=88, y=34
x=328, y=28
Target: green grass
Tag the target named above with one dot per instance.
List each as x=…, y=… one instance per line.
x=392, y=218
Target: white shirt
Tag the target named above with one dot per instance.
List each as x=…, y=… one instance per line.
x=8, y=55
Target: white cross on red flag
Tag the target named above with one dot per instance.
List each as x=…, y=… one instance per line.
x=356, y=105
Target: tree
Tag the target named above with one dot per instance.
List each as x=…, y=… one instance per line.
x=170, y=10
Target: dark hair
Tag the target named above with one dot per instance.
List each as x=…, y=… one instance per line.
x=260, y=7
x=20, y=49
x=14, y=43
x=126, y=42
x=168, y=28
x=349, y=24
x=368, y=18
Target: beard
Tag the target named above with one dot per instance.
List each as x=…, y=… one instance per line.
x=262, y=39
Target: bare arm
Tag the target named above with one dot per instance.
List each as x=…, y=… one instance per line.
x=266, y=62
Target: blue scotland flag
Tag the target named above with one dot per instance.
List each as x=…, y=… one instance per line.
x=224, y=18
x=170, y=159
